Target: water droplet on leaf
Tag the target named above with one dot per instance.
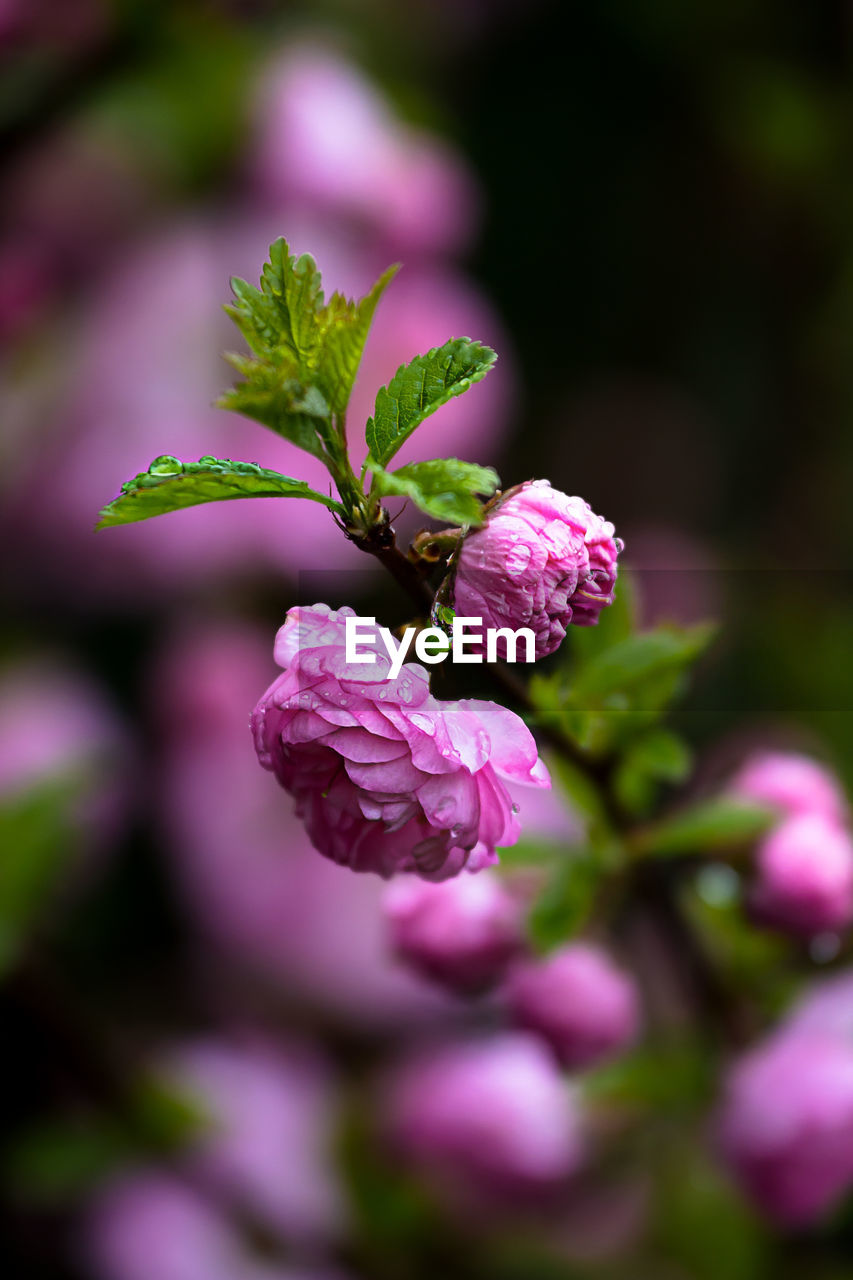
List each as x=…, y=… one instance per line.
x=166, y=465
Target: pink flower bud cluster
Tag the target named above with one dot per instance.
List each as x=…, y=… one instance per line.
x=804, y=866
x=542, y=560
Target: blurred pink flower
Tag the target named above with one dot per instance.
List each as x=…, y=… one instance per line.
x=794, y=784
x=577, y=999
x=785, y=1124
x=58, y=729
x=490, y=1119
x=152, y=1224
x=804, y=876
x=327, y=141
x=269, y=1146
x=386, y=777
x=461, y=934
x=826, y=1007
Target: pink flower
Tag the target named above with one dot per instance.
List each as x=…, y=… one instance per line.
x=327, y=141
x=579, y=1001
x=385, y=777
x=461, y=933
x=804, y=876
x=786, y=1124
x=152, y=1223
x=827, y=1007
x=488, y=1119
x=269, y=1138
x=792, y=783
x=542, y=560
x=269, y=905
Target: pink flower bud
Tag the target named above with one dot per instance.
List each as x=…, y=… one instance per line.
x=804, y=876
x=541, y=561
x=386, y=777
x=786, y=1124
x=792, y=783
x=491, y=1118
x=579, y=1001
x=461, y=933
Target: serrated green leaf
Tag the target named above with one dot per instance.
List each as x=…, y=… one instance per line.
x=346, y=325
x=446, y=488
x=306, y=351
x=279, y=402
x=171, y=485
x=419, y=388
x=722, y=823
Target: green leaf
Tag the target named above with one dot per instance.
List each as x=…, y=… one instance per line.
x=444, y=487
x=565, y=903
x=419, y=388
x=170, y=485
x=654, y=757
x=636, y=662
x=723, y=823
x=271, y=395
x=621, y=690
x=38, y=839
x=306, y=351
x=346, y=326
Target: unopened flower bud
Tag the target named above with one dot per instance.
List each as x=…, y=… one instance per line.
x=579, y=1001
x=791, y=783
x=804, y=876
x=488, y=1119
x=542, y=560
x=461, y=933
x=786, y=1124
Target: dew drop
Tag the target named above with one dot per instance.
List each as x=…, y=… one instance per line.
x=208, y=460
x=166, y=465
x=515, y=808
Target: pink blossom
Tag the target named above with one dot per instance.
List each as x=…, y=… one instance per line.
x=488, y=1119
x=786, y=1123
x=542, y=560
x=792, y=783
x=827, y=1007
x=269, y=1140
x=385, y=777
x=152, y=1223
x=577, y=999
x=244, y=866
x=461, y=933
x=328, y=141
x=804, y=876
x=58, y=730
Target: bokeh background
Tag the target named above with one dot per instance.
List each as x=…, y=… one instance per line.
x=648, y=210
